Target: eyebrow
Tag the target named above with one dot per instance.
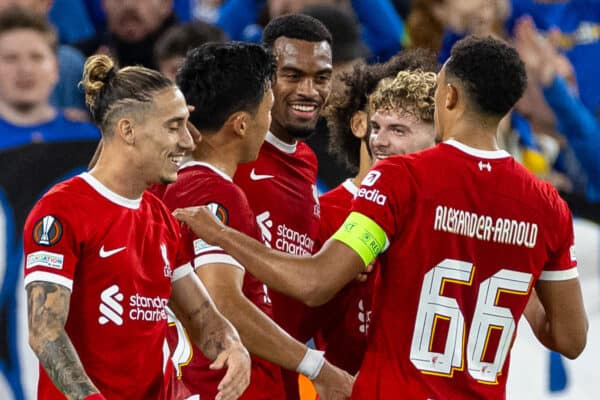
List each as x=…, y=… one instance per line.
x=288, y=68
x=175, y=119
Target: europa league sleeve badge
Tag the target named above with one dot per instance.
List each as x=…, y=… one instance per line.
x=47, y=231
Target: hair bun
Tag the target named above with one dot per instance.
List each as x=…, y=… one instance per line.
x=98, y=71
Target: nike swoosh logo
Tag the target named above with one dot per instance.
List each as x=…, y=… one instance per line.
x=255, y=177
x=107, y=253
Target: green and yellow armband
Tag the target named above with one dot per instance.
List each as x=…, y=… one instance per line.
x=362, y=235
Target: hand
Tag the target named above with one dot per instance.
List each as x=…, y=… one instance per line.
x=194, y=132
x=364, y=275
x=237, y=377
x=537, y=52
x=202, y=222
x=333, y=383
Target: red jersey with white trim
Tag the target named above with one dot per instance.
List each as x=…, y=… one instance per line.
x=281, y=189
x=118, y=257
x=470, y=232
x=343, y=322
x=198, y=184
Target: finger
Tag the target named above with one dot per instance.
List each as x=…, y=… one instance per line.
x=220, y=361
x=196, y=135
x=233, y=383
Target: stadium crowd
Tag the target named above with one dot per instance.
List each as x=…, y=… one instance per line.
x=285, y=119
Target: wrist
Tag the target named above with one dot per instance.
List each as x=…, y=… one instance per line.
x=95, y=396
x=311, y=364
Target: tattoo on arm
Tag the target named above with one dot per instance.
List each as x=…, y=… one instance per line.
x=216, y=334
x=48, y=308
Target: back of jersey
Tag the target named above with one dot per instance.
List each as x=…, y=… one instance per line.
x=470, y=232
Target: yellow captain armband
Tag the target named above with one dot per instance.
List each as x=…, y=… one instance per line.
x=362, y=235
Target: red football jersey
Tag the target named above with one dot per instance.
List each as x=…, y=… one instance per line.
x=281, y=189
x=344, y=320
x=282, y=192
x=470, y=232
x=197, y=184
x=118, y=257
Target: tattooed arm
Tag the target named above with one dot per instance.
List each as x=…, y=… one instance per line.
x=48, y=308
x=212, y=333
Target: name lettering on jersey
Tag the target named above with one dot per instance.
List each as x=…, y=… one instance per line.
x=141, y=308
x=256, y=177
x=485, y=228
x=47, y=231
x=167, y=271
x=373, y=195
x=371, y=178
x=45, y=259
x=107, y=253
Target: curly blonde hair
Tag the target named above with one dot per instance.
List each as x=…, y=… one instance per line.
x=410, y=92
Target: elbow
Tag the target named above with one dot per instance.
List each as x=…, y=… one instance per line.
x=316, y=295
x=572, y=345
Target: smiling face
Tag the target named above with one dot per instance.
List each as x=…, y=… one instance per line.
x=394, y=133
x=301, y=87
x=162, y=137
x=28, y=68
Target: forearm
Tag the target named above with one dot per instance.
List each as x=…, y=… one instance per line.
x=260, y=335
x=535, y=314
x=312, y=280
x=48, y=306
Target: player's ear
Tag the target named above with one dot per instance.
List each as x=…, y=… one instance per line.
x=124, y=129
x=358, y=124
x=239, y=122
x=451, y=96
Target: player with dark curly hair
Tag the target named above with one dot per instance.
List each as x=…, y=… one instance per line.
x=463, y=233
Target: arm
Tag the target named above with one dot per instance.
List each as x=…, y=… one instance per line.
x=557, y=316
x=313, y=280
x=213, y=334
x=260, y=334
x=47, y=309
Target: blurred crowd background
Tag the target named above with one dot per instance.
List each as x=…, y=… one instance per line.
x=554, y=130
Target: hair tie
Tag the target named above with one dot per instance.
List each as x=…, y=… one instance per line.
x=110, y=75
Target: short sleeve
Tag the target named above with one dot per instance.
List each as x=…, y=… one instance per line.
x=562, y=264
x=182, y=259
x=50, y=244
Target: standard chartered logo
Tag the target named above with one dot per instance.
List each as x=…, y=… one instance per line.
x=286, y=239
x=265, y=224
x=141, y=308
x=110, y=306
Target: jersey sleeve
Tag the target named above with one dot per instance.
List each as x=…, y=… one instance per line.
x=50, y=243
x=183, y=266
x=562, y=264
x=232, y=209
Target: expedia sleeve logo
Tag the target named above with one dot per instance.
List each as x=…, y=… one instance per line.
x=47, y=231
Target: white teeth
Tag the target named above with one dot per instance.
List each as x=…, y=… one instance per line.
x=176, y=160
x=298, y=107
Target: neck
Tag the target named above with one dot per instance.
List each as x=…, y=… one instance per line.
x=474, y=132
x=281, y=133
x=114, y=170
x=364, y=165
x=25, y=116
x=218, y=154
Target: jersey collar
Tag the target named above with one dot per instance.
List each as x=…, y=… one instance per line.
x=488, y=154
x=105, y=192
x=217, y=171
x=350, y=186
x=281, y=145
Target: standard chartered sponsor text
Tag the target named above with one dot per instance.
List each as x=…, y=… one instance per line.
x=147, y=308
x=483, y=227
x=293, y=242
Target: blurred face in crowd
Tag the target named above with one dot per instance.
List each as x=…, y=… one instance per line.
x=133, y=20
x=474, y=16
x=41, y=6
x=280, y=7
x=28, y=68
x=169, y=66
x=302, y=84
x=398, y=132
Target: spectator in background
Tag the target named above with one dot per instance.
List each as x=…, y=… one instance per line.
x=173, y=45
x=38, y=146
x=66, y=94
x=132, y=29
x=573, y=120
x=381, y=27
